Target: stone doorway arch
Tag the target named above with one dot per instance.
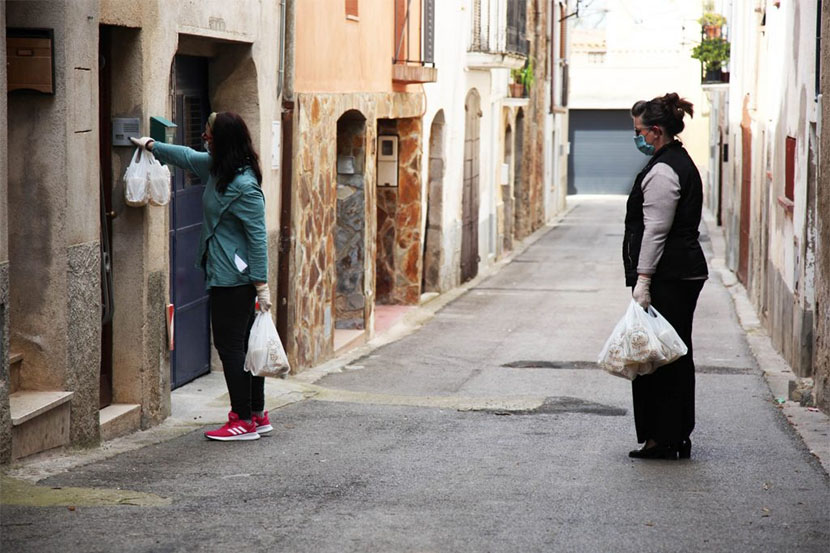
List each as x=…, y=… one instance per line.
x=433, y=235
x=350, y=227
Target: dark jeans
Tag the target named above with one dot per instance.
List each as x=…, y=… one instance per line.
x=231, y=316
x=664, y=401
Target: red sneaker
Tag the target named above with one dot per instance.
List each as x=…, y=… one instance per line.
x=235, y=429
x=263, y=424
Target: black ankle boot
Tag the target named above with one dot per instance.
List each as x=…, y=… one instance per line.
x=684, y=450
x=654, y=452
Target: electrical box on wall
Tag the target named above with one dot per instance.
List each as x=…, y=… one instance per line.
x=123, y=128
x=387, y=160
x=30, y=60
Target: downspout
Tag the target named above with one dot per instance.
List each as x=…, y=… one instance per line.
x=286, y=240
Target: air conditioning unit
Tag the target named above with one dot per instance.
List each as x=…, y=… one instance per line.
x=387, y=160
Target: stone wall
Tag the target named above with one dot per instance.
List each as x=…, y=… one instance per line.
x=309, y=339
x=408, y=259
x=821, y=352
x=5, y=413
x=84, y=340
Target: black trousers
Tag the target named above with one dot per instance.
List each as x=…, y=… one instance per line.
x=231, y=316
x=664, y=401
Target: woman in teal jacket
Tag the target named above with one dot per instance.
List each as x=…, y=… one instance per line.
x=233, y=254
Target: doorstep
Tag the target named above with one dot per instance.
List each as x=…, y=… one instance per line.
x=119, y=419
x=40, y=421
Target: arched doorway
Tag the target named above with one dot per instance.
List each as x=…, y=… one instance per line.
x=470, y=193
x=519, y=192
x=433, y=251
x=350, y=229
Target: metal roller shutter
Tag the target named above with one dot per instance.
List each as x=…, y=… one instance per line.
x=603, y=157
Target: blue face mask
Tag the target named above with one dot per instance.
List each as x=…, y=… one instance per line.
x=643, y=146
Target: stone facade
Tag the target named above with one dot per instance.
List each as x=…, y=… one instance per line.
x=822, y=312
x=311, y=316
x=529, y=206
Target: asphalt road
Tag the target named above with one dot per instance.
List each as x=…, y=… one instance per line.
x=489, y=429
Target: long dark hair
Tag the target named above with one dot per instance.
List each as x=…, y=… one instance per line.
x=232, y=149
x=664, y=111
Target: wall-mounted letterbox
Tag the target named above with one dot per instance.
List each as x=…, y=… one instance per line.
x=30, y=60
x=162, y=130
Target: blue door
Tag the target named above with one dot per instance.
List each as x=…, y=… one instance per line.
x=191, y=356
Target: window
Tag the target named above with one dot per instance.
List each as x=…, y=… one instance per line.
x=351, y=9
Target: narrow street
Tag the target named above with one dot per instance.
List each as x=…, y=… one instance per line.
x=488, y=429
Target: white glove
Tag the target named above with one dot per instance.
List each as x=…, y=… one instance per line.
x=641, y=293
x=145, y=142
x=263, y=296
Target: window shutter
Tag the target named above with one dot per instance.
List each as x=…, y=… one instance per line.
x=351, y=8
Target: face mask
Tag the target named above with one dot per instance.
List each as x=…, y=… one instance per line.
x=643, y=146
x=206, y=144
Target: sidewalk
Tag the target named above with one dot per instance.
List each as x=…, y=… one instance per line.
x=812, y=425
x=205, y=401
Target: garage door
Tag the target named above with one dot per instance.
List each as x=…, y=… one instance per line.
x=603, y=157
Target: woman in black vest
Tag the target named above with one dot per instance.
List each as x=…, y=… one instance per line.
x=665, y=265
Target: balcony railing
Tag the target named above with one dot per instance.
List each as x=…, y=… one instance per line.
x=511, y=35
x=414, y=54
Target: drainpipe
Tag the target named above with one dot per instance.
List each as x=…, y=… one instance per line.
x=286, y=239
x=281, y=71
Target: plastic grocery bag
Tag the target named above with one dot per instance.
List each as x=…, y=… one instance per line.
x=159, y=182
x=266, y=356
x=135, y=178
x=642, y=341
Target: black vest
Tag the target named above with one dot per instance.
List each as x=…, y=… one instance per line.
x=682, y=256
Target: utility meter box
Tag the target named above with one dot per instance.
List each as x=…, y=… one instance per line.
x=162, y=130
x=123, y=128
x=387, y=160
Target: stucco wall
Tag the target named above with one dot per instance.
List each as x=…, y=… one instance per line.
x=767, y=107
x=822, y=312
x=338, y=55
x=52, y=177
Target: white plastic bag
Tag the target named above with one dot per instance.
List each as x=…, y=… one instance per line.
x=266, y=356
x=641, y=342
x=135, y=179
x=159, y=182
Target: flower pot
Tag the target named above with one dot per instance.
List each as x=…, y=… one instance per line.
x=517, y=90
x=712, y=31
x=712, y=76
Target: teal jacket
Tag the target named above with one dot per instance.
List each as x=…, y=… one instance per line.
x=233, y=248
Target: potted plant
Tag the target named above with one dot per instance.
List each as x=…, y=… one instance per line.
x=713, y=53
x=522, y=80
x=712, y=24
